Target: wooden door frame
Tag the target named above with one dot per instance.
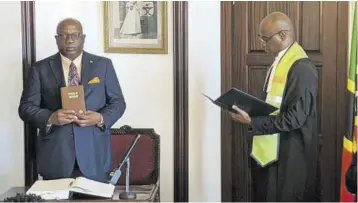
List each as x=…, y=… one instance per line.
x=181, y=119
x=228, y=54
x=28, y=57
x=180, y=77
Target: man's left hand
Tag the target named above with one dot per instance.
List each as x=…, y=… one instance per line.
x=89, y=118
x=240, y=116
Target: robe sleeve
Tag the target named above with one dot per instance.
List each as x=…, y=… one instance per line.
x=300, y=96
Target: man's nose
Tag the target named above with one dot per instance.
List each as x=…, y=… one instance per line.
x=69, y=39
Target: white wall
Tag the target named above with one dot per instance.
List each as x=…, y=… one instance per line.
x=11, y=127
x=146, y=80
x=204, y=117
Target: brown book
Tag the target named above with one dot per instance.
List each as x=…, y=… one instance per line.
x=73, y=98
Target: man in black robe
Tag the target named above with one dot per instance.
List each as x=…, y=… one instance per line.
x=293, y=177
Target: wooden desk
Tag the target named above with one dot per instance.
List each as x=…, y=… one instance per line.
x=145, y=193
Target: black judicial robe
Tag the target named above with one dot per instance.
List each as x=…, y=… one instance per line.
x=293, y=176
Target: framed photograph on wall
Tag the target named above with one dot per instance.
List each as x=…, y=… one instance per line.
x=137, y=27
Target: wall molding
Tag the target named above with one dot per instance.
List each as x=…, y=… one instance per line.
x=180, y=32
x=28, y=57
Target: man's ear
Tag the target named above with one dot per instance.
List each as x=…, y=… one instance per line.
x=56, y=38
x=283, y=35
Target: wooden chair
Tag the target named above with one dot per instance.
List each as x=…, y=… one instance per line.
x=144, y=158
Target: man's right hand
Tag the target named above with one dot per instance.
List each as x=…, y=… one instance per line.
x=62, y=117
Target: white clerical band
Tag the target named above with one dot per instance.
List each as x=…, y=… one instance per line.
x=274, y=99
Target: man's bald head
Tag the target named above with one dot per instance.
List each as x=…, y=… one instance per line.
x=69, y=22
x=70, y=38
x=277, y=31
x=276, y=21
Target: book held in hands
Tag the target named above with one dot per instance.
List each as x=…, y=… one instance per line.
x=248, y=103
x=61, y=189
x=73, y=98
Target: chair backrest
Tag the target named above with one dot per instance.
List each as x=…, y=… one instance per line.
x=144, y=158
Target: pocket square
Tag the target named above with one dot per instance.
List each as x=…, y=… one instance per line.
x=94, y=80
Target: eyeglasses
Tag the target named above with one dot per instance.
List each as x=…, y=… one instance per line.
x=74, y=36
x=265, y=39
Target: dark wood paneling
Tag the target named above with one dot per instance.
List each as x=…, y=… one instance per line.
x=310, y=26
x=342, y=77
x=28, y=57
x=226, y=50
x=256, y=78
x=253, y=27
x=329, y=102
x=293, y=12
x=240, y=157
x=322, y=29
x=180, y=30
x=276, y=6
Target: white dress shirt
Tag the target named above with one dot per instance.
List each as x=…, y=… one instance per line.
x=271, y=71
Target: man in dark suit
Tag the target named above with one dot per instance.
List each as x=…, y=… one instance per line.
x=71, y=145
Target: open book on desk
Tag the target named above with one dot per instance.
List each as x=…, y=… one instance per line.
x=248, y=103
x=63, y=188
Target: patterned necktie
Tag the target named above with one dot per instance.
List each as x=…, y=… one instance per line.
x=73, y=77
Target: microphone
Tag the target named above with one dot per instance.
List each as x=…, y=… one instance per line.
x=117, y=173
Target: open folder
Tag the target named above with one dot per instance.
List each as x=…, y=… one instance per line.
x=250, y=104
x=66, y=187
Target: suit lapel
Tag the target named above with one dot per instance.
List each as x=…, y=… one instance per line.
x=87, y=63
x=57, y=71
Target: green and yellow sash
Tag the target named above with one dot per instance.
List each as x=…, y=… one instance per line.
x=265, y=148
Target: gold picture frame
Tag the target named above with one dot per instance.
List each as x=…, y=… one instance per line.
x=136, y=27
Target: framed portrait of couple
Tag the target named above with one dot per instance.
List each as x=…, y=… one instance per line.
x=138, y=27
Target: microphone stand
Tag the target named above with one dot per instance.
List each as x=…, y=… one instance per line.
x=126, y=194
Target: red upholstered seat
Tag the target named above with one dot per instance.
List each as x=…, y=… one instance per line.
x=144, y=159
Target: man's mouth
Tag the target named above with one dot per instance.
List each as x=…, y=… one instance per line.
x=70, y=48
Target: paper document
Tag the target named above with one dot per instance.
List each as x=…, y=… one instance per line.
x=61, y=188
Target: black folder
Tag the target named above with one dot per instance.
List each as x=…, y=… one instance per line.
x=250, y=104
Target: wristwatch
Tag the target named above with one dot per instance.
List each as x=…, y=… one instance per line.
x=101, y=124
